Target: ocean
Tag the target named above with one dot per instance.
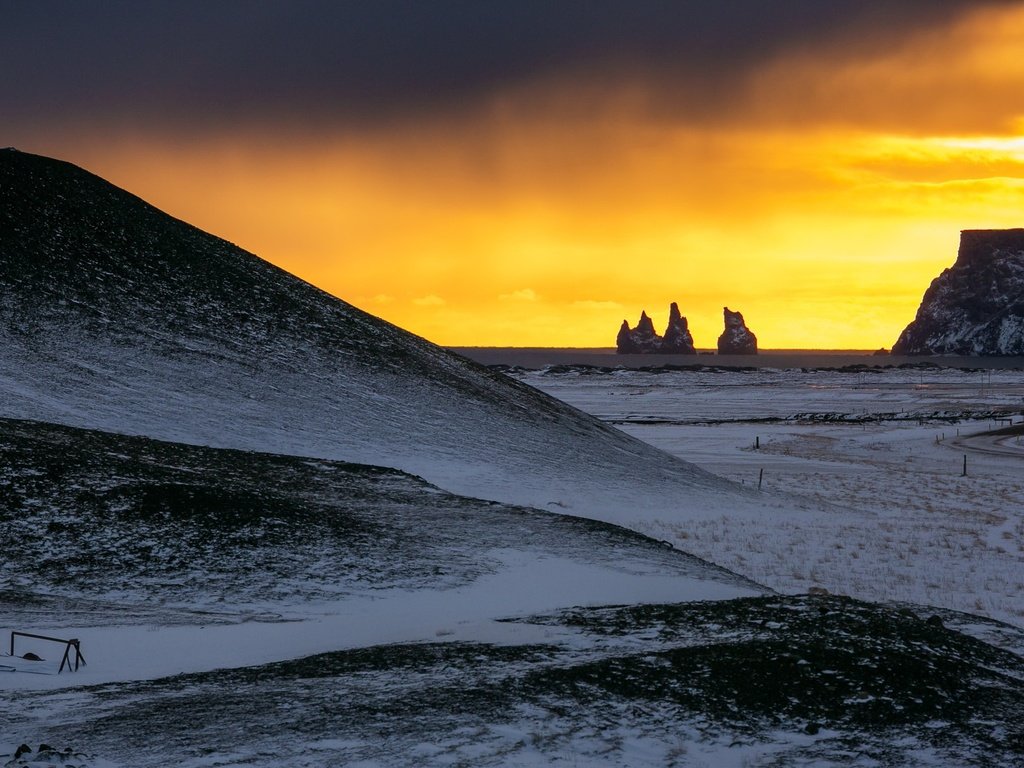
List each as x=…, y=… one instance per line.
x=600, y=357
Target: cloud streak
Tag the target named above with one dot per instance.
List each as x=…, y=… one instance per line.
x=430, y=300
x=319, y=64
x=812, y=160
x=522, y=295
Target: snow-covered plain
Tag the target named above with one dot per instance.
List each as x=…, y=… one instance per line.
x=879, y=454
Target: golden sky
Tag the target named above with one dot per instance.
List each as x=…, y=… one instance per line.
x=820, y=196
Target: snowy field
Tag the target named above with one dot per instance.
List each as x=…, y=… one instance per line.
x=882, y=448
x=238, y=608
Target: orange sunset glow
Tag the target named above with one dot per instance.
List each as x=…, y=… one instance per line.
x=820, y=198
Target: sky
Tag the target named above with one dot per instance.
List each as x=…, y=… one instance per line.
x=532, y=173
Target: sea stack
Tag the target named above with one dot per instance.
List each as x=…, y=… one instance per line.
x=644, y=340
x=975, y=307
x=677, y=340
x=640, y=340
x=736, y=339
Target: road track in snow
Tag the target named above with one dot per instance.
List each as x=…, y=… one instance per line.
x=997, y=442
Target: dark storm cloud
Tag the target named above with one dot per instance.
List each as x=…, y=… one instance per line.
x=320, y=62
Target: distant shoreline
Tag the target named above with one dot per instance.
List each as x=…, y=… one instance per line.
x=606, y=357
x=611, y=351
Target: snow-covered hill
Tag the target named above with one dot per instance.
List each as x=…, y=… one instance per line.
x=976, y=307
x=282, y=556
x=118, y=317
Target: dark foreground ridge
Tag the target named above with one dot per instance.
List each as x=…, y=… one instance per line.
x=976, y=307
x=101, y=520
x=777, y=680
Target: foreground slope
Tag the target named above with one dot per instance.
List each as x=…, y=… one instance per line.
x=771, y=681
x=116, y=316
x=238, y=608
x=275, y=557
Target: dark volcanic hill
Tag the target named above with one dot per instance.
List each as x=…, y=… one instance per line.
x=116, y=316
x=976, y=307
x=141, y=523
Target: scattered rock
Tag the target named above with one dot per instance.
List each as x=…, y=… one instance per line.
x=49, y=757
x=818, y=591
x=736, y=339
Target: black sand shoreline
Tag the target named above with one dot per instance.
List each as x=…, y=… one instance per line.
x=534, y=357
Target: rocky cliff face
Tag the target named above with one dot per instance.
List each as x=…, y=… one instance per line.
x=976, y=307
x=644, y=339
x=736, y=339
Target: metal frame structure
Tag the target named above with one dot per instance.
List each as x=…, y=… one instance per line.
x=68, y=645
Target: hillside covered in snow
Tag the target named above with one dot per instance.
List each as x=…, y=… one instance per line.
x=116, y=316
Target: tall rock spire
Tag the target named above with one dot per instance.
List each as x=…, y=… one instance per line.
x=736, y=339
x=624, y=343
x=678, y=340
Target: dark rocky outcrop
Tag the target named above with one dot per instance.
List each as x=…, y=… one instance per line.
x=644, y=336
x=624, y=344
x=976, y=307
x=736, y=339
x=678, y=340
x=645, y=340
